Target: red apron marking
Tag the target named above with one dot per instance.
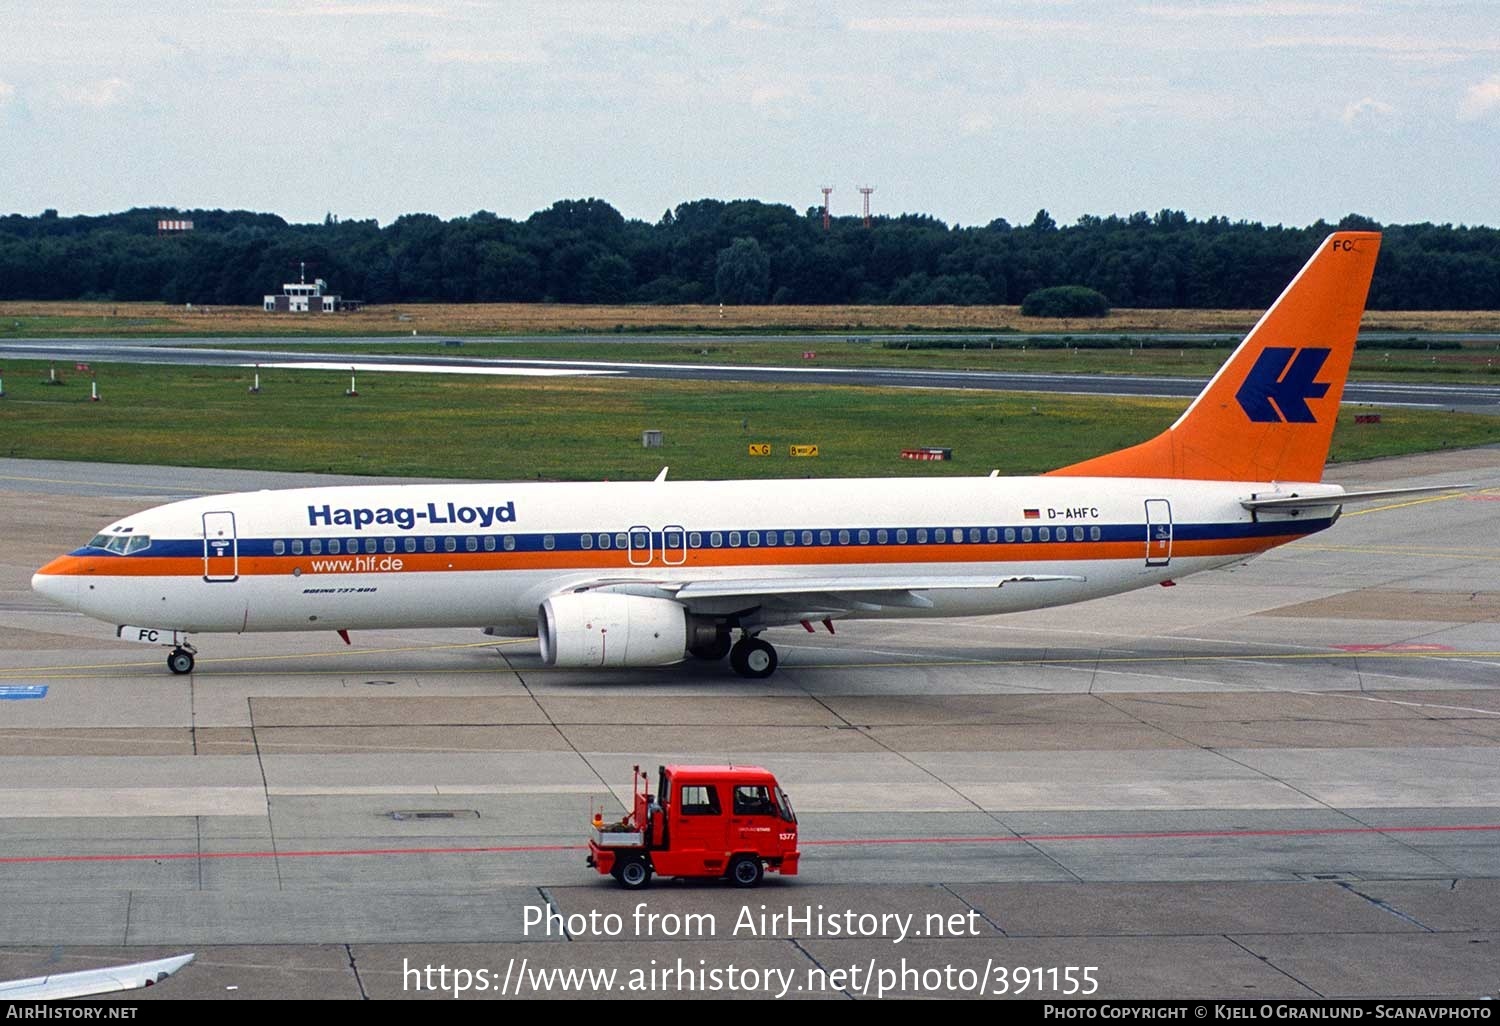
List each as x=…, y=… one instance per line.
x=832, y=843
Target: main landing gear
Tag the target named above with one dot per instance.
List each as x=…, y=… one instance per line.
x=180, y=661
x=753, y=658
x=748, y=657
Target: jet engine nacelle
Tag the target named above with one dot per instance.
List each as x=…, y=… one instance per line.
x=604, y=629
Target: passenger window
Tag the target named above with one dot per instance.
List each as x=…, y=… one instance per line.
x=753, y=800
x=940, y=535
x=973, y=534
x=1010, y=534
x=789, y=537
x=699, y=800
x=734, y=539
x=1044, y=534
x=296, y=546
x=991, y=535
x=489, y=542
x=864, y=537
x=1094, y=533
x=806, y=537
x=604, y=541
x=843, y=537
x=278, y=547
x=389, y=545
x=369, y=544
x=586, y=541
x=901, y=536
x=695, y=540
x=510, y=543
x=429, y=544
x=334, y=546
x=450, y=544
x=315, y=546
x=1026, y=534
x=410, y=545
x=620, y=542
x=1078, y=534
x=753, y=538
x=548, y=542
x=770, y=537
x=716, y=539
x=471, y=544
x=882, y=536
x=672, y=540
x=351, y=546
x=921, y=536
x=640, y=540
x=825, y=537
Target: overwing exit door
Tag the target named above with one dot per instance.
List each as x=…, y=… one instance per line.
x=221, y=549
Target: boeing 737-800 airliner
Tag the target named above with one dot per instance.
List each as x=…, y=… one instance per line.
x=647, y=574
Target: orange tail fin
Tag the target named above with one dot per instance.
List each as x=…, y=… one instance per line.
x=1268, y=414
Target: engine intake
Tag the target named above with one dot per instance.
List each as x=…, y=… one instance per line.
x=604, y=629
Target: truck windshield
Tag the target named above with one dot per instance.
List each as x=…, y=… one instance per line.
x=785, y=805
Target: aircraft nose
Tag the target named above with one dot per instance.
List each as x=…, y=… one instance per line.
x=49, y=582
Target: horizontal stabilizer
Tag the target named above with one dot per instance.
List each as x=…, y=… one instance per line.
x=1287, y=503
x=88, y=982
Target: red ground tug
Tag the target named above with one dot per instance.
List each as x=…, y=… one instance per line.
x=703, y=821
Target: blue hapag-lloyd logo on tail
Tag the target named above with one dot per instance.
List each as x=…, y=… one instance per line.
x=1278, y=387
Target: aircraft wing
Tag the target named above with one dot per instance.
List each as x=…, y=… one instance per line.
x=1292, y=503
x=795, y=598
x=60, y=986
x=790, y=586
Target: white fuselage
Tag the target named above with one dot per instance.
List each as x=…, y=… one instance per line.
x=486, y=555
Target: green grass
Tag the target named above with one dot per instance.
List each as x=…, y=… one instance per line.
x=68, y=326
x=590, y=428
x=1471, y=364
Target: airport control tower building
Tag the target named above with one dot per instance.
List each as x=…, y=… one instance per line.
x=304, y=297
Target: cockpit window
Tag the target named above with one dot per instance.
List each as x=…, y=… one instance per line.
x=121, y=544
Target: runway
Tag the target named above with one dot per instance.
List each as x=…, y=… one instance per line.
x=1277, y=781
x=324, y=353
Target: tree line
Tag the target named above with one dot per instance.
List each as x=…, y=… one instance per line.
x=709, y=251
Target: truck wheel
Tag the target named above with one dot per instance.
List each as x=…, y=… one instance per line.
x=746, y=871
x=633, y=874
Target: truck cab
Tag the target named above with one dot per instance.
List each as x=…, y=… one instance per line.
x=732, y=822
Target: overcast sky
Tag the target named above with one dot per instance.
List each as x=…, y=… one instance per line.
x=1282, y=111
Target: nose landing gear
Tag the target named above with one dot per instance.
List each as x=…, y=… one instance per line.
x=180, y=661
